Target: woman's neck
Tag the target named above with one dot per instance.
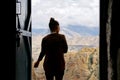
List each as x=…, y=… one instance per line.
x=54, y=32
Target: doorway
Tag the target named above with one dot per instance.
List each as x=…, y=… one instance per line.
x=79, y=22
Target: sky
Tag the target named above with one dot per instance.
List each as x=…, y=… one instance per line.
x=66, y=12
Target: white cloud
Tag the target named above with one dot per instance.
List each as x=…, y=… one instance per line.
x=66, y=12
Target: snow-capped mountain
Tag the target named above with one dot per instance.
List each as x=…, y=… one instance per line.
x=69, y=33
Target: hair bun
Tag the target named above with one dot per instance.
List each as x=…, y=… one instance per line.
x=52, y=19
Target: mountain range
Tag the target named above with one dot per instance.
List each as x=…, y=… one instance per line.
x=75, y=35
x=71, y=29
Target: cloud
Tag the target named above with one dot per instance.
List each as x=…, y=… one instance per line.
x=66, y=12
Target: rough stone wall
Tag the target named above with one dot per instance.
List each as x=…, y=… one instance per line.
x=118, y=64
x=108, y=36
x=111, y=70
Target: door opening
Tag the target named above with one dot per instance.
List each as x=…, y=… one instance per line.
x=79, y=22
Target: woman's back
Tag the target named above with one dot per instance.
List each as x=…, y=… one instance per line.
x=56, y=46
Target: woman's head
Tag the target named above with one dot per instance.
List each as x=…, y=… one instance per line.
x=54, y=25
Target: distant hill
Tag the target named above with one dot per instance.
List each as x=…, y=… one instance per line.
x=84, y=30
x=40, y=31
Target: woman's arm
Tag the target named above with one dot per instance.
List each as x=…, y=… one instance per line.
x=42, y=53
x=43, y=48
x=64, y=44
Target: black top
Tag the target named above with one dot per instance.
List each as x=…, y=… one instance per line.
x=53, y=48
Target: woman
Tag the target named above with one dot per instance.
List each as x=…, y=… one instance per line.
x=53, y=47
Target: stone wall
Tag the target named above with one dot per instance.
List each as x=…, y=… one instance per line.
x=118, y=64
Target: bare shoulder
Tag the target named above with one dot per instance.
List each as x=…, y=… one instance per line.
x=62, y=35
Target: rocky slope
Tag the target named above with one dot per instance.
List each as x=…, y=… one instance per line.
x=82, y=62
x=78, y=66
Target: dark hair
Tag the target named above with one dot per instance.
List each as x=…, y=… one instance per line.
x=53, y=24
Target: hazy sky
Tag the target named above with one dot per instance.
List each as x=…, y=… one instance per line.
x=66, y=12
